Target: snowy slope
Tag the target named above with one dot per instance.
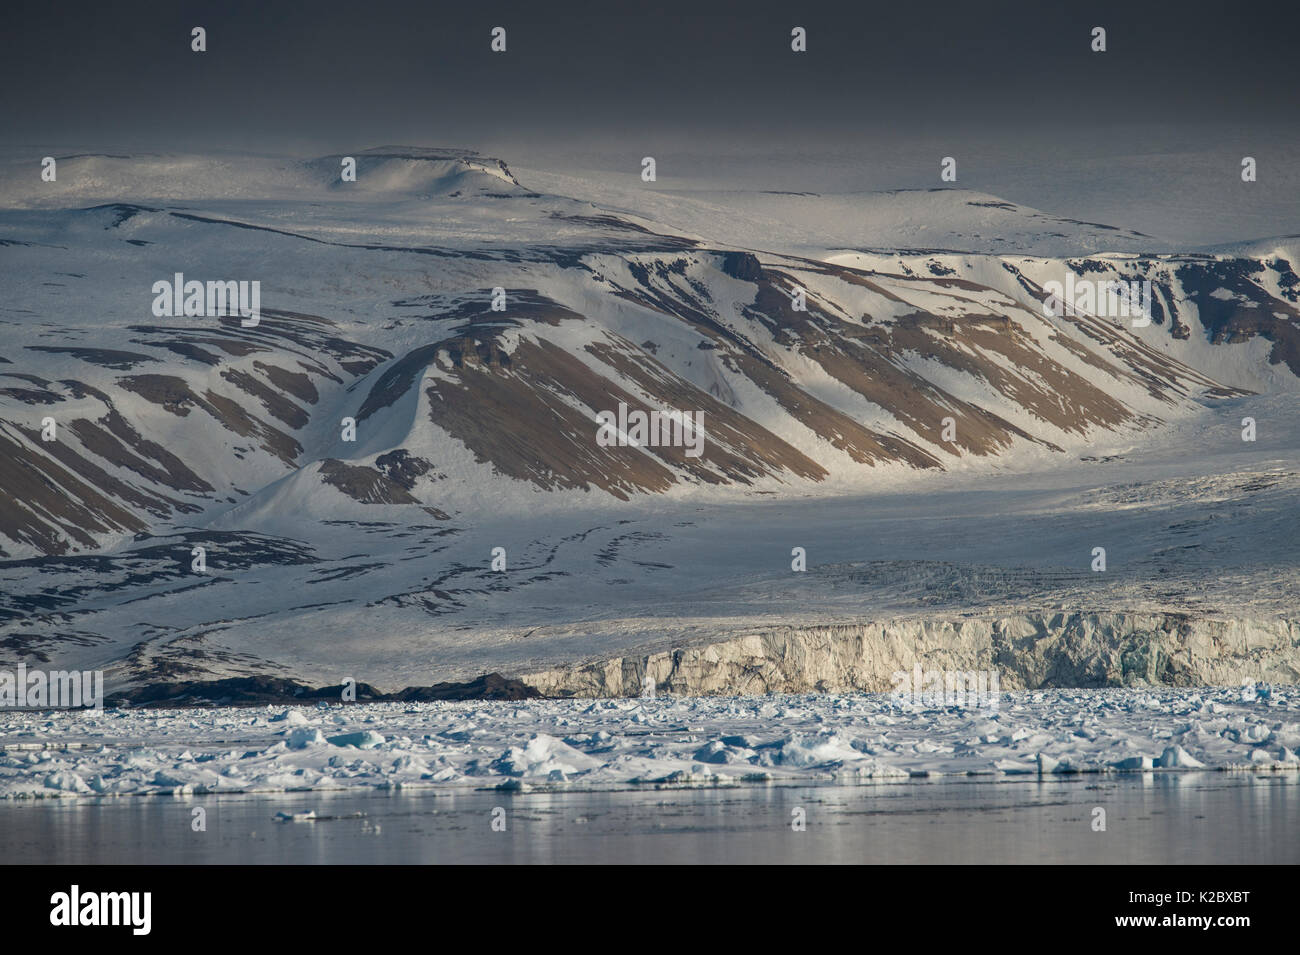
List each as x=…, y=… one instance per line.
x=379, y=310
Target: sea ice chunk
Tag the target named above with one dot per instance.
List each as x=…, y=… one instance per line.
x=1175, y=757
x=543, y=755
x=302, y=737
x=66, y=782
x=805, y=751
x=1135, y=762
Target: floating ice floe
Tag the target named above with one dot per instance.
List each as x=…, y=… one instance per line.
x=679, y=742
x=366, y=739
x=302, y=737
x=309, y=816
x=544, y=756
x=1175, y=757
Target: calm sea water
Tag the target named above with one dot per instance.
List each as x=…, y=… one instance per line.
x=1182, y=818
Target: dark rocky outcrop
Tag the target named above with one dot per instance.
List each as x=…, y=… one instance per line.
x=742, y=265
x=261, y=690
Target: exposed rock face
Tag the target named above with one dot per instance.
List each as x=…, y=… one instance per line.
x=1028, y=651
x=742, y=265
x=257, y=690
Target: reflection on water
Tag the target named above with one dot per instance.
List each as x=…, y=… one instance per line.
x=1149, y=818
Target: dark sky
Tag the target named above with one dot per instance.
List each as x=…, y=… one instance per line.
x=288, y=75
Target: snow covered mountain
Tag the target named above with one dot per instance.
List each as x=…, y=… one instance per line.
x=377, y=393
